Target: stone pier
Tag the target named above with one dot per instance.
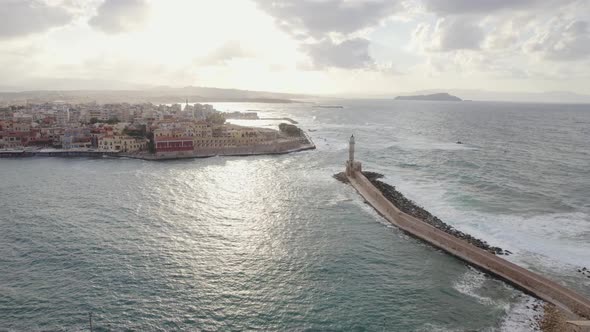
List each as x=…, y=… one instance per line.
x=532, y=283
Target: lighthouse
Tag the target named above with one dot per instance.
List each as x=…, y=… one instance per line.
x=352, y=166
x=351, y=150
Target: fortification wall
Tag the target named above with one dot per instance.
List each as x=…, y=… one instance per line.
x=528, y=281
x=272, y=148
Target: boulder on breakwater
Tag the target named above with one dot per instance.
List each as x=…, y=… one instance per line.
x=341, y=177
x=584, y=271
x=369, y=175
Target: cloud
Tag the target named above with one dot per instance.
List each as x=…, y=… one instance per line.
x=118, y=16
x=450, y=34
x=449, y=7
x=503, y=37
x=458, y=34
x=25, y=17
x=328, y=29
x=226, y=52
x=562, y=41
x=349, y=54
x=318, y=17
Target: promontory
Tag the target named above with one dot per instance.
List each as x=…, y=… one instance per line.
x=431, y=97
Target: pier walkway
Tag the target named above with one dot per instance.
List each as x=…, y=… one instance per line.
x=521, y=278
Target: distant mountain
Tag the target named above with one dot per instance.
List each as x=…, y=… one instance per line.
x=431, y=97
x=160, y=94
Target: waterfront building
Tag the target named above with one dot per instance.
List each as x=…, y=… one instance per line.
x=173, y=139
x=77, y=137
x=173, y=144
x=53, y=133
x=11, y=139
x=224, y=136
x=119, y=143
x=35, y=138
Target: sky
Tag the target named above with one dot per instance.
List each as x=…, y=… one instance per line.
x=305, y=46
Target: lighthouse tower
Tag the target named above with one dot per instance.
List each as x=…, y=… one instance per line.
x=352, y=166
x=351, y=150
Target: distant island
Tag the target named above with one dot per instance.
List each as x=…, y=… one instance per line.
x=432, y=97
x=327, y=106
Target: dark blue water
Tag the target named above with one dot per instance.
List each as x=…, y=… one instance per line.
x=274, y=243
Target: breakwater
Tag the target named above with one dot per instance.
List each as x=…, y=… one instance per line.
x=408, y=206
x=480, y=258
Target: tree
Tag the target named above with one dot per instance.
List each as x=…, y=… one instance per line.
x=138, y=132
x=151, y=145
x=216, y=118
x=289, y=129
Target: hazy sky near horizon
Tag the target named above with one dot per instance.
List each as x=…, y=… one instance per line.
x=310, y=46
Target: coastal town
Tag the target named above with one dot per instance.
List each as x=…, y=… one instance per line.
x=144, y=131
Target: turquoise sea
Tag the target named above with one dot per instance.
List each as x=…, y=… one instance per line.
x=275, y=243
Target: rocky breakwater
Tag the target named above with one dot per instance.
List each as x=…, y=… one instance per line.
x=411, y=208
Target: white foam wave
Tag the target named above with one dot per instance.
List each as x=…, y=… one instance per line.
x=469, y=284
x=549, y=241
x=429, y=327
x=522, y=317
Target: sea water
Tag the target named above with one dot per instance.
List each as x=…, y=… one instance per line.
x=275, y=243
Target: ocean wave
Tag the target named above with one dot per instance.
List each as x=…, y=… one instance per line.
x=470, y=283
x=522, y=316
x=557, y=240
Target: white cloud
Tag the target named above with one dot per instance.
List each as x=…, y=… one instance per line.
x=450, y=34
x=457, y=7
x=317, y=18
x=562, y=41
x=24, y=17
x=117, y=16
x=458, y=34
x=228, y=51
x=284, y=44
x=327, y=28
x=350, y=54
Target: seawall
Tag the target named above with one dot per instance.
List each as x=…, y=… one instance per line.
x=519, y=277
x=283, y=147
